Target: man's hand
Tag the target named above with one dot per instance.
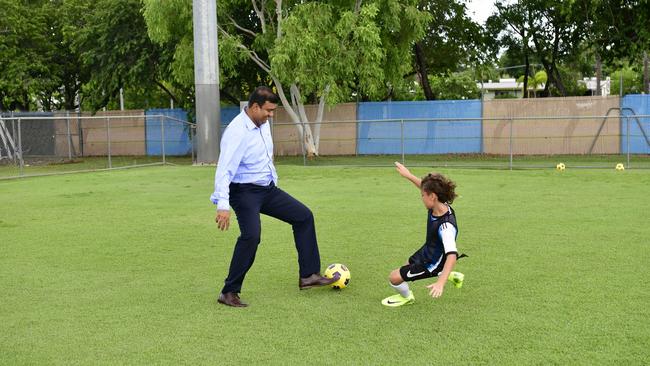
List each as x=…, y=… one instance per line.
x=436, y=288
x=223, y=219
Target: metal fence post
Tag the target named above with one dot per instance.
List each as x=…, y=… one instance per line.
x=67, y=124
x=511, y=142
x=108, y=140
x=162, y=137
x=20, y=148
x=302, y=144
x=192, y=141
x=357, y=139
x=401, y=131
x=627, y=119
x=14, y=133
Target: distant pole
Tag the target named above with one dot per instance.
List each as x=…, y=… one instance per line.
x=620, y=84
x=206, y=80
x=121, y=99
x=646, y=73
x=599, y=68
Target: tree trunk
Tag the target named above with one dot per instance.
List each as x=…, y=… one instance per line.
x=303, y=127
x=319, y=117
x=526, y=72
x=421, y=65
x=558, y=81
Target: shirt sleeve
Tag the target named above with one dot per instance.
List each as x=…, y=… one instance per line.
x=231, y=154
x=447, y=233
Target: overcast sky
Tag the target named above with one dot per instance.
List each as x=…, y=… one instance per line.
x=480, y=10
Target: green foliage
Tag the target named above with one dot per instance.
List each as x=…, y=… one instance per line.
x=452, y=39
x=28, y=55
x=534, y=82
x=316, y=31
x=114, y=45
x=572, y=84
x=632, y=81
x=458, y=85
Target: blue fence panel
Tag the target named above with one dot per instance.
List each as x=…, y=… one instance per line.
x=177, y=132
x=636, y=104
x=409, y=119
x=227, y=115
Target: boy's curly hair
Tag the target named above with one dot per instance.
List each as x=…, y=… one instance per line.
x=443, y=187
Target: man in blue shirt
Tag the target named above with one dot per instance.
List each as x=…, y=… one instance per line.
x=246, y=180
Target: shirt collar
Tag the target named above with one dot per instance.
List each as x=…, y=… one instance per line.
x=250, y=125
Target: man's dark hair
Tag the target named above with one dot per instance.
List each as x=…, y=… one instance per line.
x=443, y=187
x=261, y=95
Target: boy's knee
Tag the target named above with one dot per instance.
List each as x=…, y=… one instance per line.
x=395, y=278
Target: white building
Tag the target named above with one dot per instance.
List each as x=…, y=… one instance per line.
x=504, y=88
x=590, y=83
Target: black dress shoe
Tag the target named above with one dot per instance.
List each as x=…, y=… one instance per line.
x=231, y=299
x=316, y=280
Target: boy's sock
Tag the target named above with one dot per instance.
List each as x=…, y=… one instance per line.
x=402, y=288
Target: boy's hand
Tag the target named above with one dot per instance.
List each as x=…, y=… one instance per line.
x=402, y=170
x=436, y=288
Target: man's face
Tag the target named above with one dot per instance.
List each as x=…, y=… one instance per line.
x=259, y=114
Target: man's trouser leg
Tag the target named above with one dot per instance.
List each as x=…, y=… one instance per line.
x=246, y=200
x=282, y=206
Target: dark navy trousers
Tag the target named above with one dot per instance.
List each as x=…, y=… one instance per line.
x=248, y=201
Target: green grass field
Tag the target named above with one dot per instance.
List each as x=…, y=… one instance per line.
x=124, y=267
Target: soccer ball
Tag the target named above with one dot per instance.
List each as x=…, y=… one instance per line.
x=620, y=166
x=342, y=271
x=560, y=167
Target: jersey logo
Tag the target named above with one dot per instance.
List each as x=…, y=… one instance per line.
x=411, y=275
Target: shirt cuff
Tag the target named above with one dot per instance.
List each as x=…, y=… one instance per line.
x=223, y=205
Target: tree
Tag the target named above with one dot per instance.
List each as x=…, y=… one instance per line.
x=548, y=27
x=451, y=40
x=457, y=85
x=115, y=49
x=512, y=22
x=309, y=51
x=25, y=62
x=534, y=82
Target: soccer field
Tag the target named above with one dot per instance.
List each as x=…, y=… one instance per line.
x=124, y=267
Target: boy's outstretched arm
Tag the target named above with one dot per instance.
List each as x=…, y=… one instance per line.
x=404, y=172
x=436, y=288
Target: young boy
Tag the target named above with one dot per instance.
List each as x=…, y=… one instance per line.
x=438, y=255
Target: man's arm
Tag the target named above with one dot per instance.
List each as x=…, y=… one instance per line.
x=231, y=154
x=404, y=172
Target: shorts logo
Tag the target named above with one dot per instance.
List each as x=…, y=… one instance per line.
x=411, y=275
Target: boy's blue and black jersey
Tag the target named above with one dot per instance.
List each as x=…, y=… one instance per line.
x=440, y=242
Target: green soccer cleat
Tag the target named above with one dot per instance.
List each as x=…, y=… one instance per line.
x=398, y=300
x=457, y=279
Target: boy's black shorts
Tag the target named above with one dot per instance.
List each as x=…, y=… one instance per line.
x=417, y=271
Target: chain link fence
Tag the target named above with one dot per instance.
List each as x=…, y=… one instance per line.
x=501, y=143
x=54, y=144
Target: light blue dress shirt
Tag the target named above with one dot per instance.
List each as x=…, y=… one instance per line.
x=246, y=157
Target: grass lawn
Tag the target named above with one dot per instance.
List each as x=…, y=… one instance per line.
x=124, y=267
